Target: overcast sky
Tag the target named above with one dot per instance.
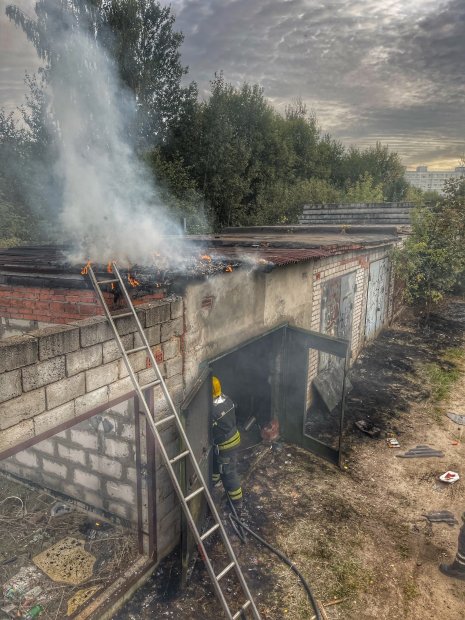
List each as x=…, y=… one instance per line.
x=389, y=70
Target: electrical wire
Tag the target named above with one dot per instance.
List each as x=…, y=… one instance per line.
x=285, y=559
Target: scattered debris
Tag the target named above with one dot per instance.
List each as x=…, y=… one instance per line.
x=393, y=443
x=60, y=508
x=441, y=516
x=367, y=428
x=80, y=598
x=67, y=561
x=455, y=417
x=421, y=452
x=450, y=477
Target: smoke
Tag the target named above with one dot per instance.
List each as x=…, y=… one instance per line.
x=111, y=207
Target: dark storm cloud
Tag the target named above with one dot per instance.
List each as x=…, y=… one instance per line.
x=372, y=69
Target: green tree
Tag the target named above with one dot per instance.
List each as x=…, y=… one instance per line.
x=140, y=38
x=432, y=259
x=364, y=190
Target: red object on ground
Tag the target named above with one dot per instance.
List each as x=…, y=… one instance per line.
x=270, y=432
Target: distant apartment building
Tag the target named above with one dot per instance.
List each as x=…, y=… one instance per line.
x=432, y=180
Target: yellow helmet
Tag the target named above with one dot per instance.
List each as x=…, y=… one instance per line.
x=216, y=387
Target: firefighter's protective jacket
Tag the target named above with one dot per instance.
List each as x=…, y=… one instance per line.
x=224, y=429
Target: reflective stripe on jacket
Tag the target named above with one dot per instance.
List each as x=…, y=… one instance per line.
x=225, y=433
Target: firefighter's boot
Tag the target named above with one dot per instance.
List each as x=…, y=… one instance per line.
x=456, y=569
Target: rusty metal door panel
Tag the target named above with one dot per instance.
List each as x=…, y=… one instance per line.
x=378, y=288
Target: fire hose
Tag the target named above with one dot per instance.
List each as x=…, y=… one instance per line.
x=239, y=527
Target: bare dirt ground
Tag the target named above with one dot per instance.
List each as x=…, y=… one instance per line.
x=357, y=534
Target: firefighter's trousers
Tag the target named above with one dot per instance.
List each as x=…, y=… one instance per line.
x=225, y=468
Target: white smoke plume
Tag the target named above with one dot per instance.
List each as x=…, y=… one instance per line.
x=111, y=208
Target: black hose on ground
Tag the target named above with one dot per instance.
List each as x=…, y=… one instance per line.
x=292, y=566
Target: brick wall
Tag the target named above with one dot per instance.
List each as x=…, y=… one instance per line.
x=336, y=267
x=54, y=305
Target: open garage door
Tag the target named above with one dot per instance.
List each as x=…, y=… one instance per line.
x=313, y=391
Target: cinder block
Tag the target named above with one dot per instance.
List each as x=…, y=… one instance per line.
x=57, y=340
x=120, y=388
x=172, y=328
x=47, y=446
x=103, y=375
x=15, y=435
x=10, y=385
x=84, y=479
x=18, y=351
x=85, y=439
x=94, y=331
x=107, y=467
x=43, y=373
x=70, y=454
x=27, y=458
x=147, y=376
x=173, y=367
x=118, y=509
x=83, y=359
x=54, y=468
x=121, y=492
x=127, y=325
x=138, y=362
x=111, y=351
x=131, y=474
x=116, y=448
x=65, y=390
x=128, y=432
x=151, y=333
x=22, y=408
x=49, y=419
x=157, y=313
x=171, y=348
x=92, y=499
x=177, y=308
x=91, y=400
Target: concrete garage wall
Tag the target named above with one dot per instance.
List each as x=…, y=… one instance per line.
x=228, y=309
x=57, y=375
x=54, y=375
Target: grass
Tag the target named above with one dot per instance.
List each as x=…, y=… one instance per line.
x=443, y=374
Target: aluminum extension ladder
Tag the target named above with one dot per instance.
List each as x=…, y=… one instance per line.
x=249, y=604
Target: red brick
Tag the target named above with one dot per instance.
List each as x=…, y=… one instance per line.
x=87, y=309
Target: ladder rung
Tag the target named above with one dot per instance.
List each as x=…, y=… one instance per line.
x=210, y=531
x=194, y=493
x=111, y=281
x=129, y=351
x=167, y=419
x=245, y=606
x=149, y=385
x=226, y=570
x=122, y=315
x=179, y=456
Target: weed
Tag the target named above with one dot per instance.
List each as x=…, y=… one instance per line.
x=410, y=591
x=350, y=577
x=441, y=378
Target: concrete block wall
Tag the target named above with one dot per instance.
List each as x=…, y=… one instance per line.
x=50, y=376
x=387, y=213
x=94, y=462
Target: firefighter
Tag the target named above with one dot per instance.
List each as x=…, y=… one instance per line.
x=226, y=440
x=457, y=568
